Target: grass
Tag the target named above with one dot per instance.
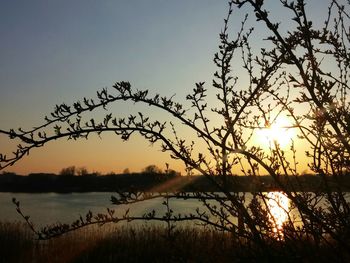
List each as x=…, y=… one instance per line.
x=147, y=243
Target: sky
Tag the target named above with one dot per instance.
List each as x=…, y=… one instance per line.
x=61, y=51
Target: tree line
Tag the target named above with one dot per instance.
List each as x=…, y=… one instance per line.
x=71, y=179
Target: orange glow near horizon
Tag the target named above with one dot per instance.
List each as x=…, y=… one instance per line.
x=105, y=155
x=109, y=154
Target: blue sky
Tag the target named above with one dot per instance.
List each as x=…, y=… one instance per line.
x=60, y=51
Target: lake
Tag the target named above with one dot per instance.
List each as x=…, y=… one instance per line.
x=48, y=208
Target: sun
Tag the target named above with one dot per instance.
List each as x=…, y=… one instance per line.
x=280, y=132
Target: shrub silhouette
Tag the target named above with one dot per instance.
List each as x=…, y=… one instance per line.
x=294, y=70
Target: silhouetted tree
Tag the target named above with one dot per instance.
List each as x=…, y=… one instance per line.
x=305, y=66
x=82, y=171
x=126, y=171
x=152, y=169
x=68, y=171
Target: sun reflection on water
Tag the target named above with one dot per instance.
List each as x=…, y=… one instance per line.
x=278, y=205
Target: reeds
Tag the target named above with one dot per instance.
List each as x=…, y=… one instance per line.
x=16, y=242
x=145, y=243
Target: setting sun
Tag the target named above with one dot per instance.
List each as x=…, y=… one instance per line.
x=279, y=132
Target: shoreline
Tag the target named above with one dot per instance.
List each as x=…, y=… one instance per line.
x=141, y=182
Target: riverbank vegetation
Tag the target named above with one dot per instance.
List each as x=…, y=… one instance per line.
x=147, y=243
x=159, y=181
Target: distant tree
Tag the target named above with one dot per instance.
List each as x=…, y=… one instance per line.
x=5, y=173
x=82, y=171
x=6, y=177
x=170, y=172
x=68, y=171
x=126, y=171
x=152, y=169
x=173, y=173
x=303, y=67
x=96, y=173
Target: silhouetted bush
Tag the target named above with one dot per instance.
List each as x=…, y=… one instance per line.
x=305, y=66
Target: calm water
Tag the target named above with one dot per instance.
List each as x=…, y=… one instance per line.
x=48, y=208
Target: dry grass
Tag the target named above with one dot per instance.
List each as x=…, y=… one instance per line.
x=122, y=244
x=143, y=243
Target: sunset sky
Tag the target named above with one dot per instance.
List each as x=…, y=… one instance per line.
x=61, y=51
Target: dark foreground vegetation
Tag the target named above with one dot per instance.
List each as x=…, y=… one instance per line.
x=152, y=244
x=159, y=182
